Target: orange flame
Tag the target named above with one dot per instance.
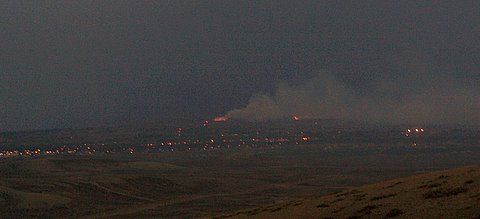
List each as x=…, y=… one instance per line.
x=220, y=119
x=295, y=118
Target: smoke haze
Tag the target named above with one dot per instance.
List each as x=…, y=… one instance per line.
x=414, y=99
x=75, y=64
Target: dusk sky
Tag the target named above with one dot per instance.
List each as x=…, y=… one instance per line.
x=72, y=64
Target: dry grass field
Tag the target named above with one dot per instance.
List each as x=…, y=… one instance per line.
x=219, y=183
x=446, y=194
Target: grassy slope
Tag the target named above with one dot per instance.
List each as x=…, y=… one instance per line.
x=201, y=184
x=447, y=194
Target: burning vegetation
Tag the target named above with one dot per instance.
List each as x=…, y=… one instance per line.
x=220, y=119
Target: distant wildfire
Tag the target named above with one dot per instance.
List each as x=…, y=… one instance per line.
x=220, y=119
x=441, y=100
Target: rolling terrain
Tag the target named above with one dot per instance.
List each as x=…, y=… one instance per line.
x=446, y=194
x=213, y=183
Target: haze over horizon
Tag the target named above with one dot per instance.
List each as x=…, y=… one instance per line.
x=421, y=100
x=73, y=64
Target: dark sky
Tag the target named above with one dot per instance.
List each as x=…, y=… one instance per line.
x=106, y=62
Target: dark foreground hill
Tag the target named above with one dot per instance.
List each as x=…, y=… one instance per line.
x=219, y=182
x=447, y=194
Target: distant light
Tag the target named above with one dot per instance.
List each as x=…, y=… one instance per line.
x=295, y=118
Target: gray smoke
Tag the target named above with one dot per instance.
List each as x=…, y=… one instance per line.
x=410, y=99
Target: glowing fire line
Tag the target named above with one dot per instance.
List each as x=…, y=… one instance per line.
x=220, y=119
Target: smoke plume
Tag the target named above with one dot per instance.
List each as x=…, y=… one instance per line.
x=410, y=99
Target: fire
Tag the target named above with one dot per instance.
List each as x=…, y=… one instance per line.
x=220, y=119
x=295, y=118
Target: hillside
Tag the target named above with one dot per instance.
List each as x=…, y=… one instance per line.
x=447, y=194
x=211, y=183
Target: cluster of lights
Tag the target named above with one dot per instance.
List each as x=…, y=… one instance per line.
x=414, y=131
x=179, y=141
x=28, y=153
x=171, y=145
